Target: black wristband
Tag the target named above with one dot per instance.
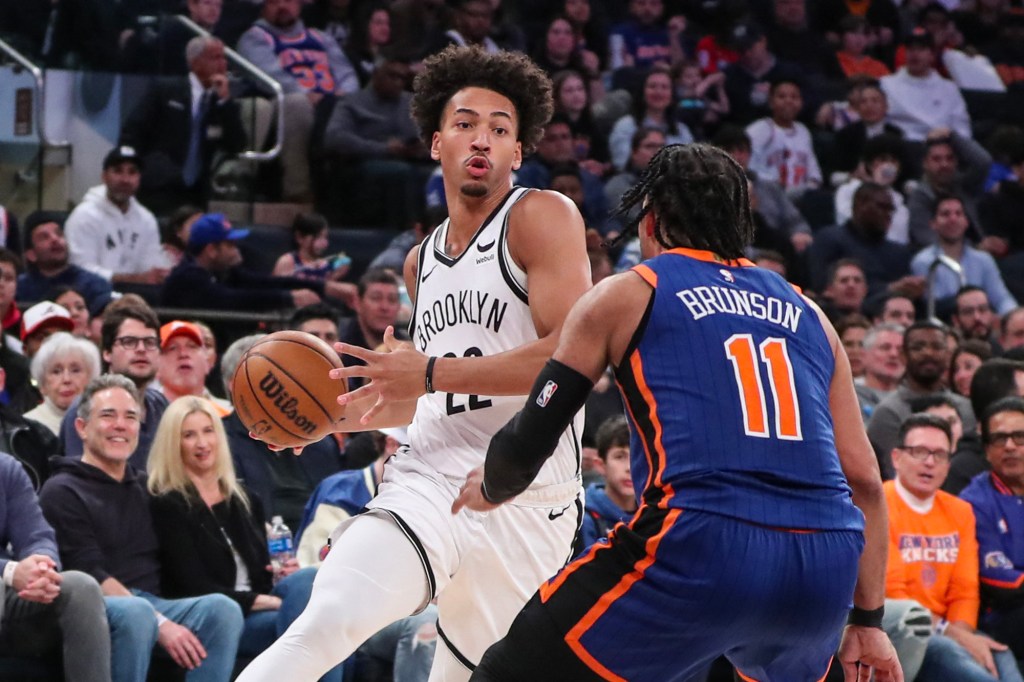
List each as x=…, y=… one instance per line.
x=430, y=373
x=483, y=491
x=867, y=619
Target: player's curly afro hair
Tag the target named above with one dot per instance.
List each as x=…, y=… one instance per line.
x=509, y=73
x=699, y=197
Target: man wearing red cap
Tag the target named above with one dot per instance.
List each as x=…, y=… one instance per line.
x=184, y=364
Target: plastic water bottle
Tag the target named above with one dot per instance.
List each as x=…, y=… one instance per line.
x=279, y=542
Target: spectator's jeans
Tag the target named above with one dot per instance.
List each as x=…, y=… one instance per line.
x=410, y=643
x=947, y=660
x=215, y=619
x=75, y=619
x=909, y=627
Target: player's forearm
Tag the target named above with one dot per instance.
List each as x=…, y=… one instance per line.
x=870, y=590
x=510, y=373
x=518, y=451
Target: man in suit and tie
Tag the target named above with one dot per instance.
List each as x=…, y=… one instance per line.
x=181, y=125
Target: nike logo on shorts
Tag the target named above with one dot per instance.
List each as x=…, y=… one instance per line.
x=552, y=515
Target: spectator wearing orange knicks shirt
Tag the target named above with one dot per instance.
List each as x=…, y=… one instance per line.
x=933, y=557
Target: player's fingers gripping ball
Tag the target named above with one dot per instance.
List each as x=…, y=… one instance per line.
x=282, y=392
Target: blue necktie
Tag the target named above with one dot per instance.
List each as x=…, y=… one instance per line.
x=193, y=162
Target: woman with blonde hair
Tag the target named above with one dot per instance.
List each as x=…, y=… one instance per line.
x=211, y=531
x=61, y=368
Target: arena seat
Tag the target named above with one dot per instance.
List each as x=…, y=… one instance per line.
x=266, y=243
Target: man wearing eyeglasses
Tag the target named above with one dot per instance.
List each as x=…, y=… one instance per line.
x=933, y=557
x=996, y=497
x=130, y=345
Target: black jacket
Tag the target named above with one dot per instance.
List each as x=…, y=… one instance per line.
x=30, y=443
x=849, y=144
x=194, y=552
x=159, y=128
x=104, y=526
x=968, y=461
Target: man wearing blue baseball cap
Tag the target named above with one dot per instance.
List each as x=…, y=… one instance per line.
x=209, y=276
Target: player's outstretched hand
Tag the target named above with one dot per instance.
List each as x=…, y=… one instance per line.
x=397, y=373
x=472, y=495
x=864, y=650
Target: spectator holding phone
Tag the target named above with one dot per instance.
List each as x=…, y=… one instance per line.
x=307, y=260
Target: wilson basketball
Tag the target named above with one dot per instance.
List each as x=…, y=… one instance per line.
x=281, y=390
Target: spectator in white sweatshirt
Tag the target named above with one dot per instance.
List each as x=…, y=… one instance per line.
x=920, y=99
x=110, y=233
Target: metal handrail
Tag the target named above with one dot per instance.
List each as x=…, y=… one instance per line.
x=942, y=260
x=258, y=74
x=39, y=100
x=271, y=317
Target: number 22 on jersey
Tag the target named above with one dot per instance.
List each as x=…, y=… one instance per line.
x=746, y=364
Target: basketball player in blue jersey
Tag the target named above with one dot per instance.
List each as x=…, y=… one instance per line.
x=492, y=286
x=746, y=442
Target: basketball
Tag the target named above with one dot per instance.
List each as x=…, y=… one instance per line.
x=281, y=390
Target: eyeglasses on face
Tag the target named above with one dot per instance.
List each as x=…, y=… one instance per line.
x=999, y=438
x=921, y=453
x=132, y=342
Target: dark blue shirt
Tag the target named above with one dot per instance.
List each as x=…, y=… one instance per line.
x=35, y=286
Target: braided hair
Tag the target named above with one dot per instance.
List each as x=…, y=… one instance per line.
x=510, y=74
x=699, y=198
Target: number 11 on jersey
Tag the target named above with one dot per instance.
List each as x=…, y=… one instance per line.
x=739, y=348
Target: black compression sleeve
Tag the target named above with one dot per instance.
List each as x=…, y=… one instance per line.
x=521, y=447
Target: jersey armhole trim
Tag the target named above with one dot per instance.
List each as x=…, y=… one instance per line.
x=638, y=334
x=504, y=255
x=646, y=274
x=421, y=258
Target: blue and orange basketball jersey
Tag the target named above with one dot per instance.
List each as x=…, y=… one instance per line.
x=305, y=58
x=726, y=386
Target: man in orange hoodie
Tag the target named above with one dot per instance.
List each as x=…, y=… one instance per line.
x=933, y=557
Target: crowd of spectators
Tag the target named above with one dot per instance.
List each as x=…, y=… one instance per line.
x=883, y=180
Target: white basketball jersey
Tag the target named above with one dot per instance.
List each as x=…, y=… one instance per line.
x=472, y=305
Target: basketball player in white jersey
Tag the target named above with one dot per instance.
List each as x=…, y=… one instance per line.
x=492, y=286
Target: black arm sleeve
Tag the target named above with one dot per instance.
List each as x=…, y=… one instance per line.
x=521, y=447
